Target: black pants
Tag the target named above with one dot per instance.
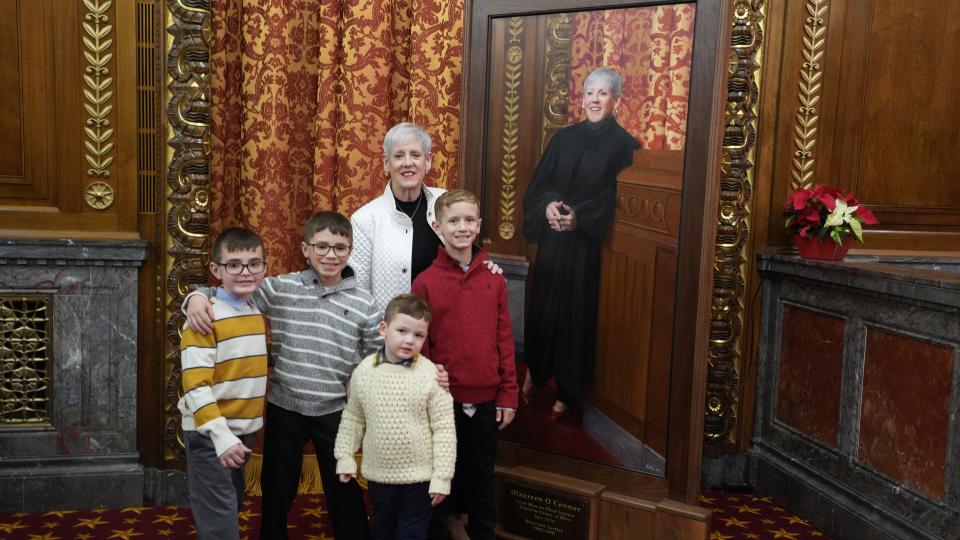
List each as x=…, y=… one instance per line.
x=400, y=511
x=471, y=492
x=286, y=434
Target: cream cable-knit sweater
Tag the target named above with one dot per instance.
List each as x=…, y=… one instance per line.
x=405, y=421
x=383, y=245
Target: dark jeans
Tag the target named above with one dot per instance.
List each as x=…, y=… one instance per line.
x=286, y=434
x=400, y=511
x=471, y=492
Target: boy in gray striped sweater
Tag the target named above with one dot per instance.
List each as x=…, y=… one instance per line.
x=322, y=325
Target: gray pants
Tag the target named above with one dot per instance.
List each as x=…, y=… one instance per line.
x=215, y=491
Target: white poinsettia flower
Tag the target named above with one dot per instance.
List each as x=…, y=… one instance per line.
x=842, y=216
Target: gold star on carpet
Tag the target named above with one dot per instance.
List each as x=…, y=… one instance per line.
x=51, y=524
x=245, y=515
x=99, y=510
x=48, y=536
x=135, y=510
x=716, y=535
x=171, y=519
x=767, y=521
x=732, y=521
x=124, y=535
x=783, y=534
x=708, y=500
x=816, y=533
x=754, y=536
x=131, y=521
x=243, y=528
x=777, y=509
x=320, y=536
x=60, y=513
x=793, y=520
x=763, y=499
x=165, y=532
x=84, y=536
x=315, y=512
x=91, y=523
x=21, y=514
x=744, y=509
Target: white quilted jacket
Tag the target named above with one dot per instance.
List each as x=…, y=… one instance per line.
x=383, y=245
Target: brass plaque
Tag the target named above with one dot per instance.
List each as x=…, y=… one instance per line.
x=532, y=512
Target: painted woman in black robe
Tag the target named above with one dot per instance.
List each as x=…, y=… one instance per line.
x=568, y=208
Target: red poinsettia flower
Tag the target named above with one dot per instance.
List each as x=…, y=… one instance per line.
x=826, y=211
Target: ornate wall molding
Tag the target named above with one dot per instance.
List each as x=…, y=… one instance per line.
x=98, y=96
x=188, y=182
x=733, y=226
x=512, y=77
x=556, y=89
x=811, y=71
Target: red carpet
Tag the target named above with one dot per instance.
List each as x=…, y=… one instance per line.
x=736, y=515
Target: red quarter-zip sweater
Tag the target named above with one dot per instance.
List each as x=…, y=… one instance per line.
x=470, y=334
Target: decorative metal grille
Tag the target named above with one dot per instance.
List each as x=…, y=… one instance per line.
x=24, y=360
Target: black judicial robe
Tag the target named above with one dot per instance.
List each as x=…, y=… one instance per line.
x=579, y=167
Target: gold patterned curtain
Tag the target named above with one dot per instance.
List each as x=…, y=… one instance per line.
x=651, y=47
x=303, y=92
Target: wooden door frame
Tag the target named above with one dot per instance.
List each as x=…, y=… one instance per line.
x=699, y=198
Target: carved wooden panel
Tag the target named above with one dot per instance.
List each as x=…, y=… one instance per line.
x=67, y=80
x=635, y=325
x=868, y=103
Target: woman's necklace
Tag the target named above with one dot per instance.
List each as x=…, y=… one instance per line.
x=415, y=209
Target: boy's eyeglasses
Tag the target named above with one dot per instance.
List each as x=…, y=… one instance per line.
x=340, y=250
x=236, y=268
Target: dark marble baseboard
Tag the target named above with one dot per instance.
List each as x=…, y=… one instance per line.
x=827, y=505
x=165, y=487
x=116, y=483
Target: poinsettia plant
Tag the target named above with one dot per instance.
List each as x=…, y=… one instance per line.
x=824, y=211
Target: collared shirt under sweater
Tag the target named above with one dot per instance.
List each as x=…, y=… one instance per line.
x=318, y=336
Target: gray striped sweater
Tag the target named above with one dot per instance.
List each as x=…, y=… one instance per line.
x=318, y=336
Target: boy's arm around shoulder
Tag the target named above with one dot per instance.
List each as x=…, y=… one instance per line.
x=352, y=426
x=368, y=334
x=507, y=393
x=440, y=413
x=198, y=358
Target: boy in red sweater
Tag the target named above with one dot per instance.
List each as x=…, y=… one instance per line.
x=471, y=336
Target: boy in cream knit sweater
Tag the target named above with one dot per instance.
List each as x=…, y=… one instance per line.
x=405, y=422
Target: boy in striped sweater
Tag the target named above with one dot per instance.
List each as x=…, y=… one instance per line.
x=224, y=376
x=321, y=325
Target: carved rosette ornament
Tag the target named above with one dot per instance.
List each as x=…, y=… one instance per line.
x=99, y=195
x=188, y=183
x=511, y=128
x=736, y=185
x=811, y=72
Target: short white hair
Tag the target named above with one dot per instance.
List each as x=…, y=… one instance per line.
x=606, y=76
x=402, y=132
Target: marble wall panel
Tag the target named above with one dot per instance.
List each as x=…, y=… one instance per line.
x=87, y=455
x=811, y=362
x=904, y=422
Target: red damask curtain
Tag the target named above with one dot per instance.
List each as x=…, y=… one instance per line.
x=303, y=92
x=651, y=48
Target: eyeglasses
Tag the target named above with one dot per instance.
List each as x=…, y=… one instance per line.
x=236, y=268
x=340, y=250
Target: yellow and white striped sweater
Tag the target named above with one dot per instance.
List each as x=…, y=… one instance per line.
x=225, y=376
